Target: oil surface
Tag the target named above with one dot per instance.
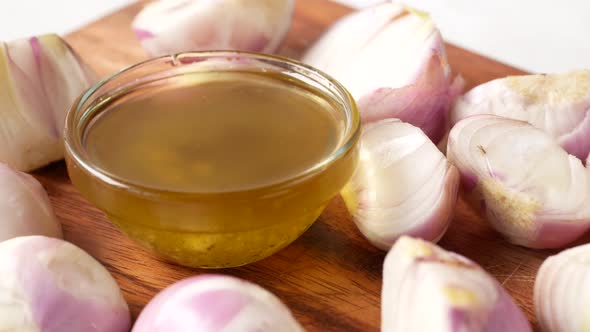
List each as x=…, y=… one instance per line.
x=233, y=132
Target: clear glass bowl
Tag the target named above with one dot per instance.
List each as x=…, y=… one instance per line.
x=211, y=230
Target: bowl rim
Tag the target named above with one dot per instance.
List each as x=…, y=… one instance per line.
x=73, y=137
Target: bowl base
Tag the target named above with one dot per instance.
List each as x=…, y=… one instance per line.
x=218, y=250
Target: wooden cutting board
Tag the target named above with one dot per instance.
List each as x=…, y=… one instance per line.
x=331, y=276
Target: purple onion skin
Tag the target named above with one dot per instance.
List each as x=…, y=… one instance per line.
x=215, y=303
x=51, y=279
x=424, y=104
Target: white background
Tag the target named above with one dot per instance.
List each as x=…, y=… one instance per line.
x=535, y=35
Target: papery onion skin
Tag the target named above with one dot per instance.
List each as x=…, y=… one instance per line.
x=49, y=285
x=529, y=188
x=392, y=59
x=25, y=208
x=403, y=185
x=426, y=288
x=173, y=26
x=215, y=303
x=40, y=78
x=561, y=291
x=559, y=104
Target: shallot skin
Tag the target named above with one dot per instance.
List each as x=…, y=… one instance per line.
x=173, y=26
x=25, y=208
x=426, y=288
x=562, y=293
x=424, y=103
x=529, y=188
x=215, y=303
x=559, y=104
x=392, y=59
x=49, y=285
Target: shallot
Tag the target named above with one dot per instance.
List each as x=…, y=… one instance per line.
x=40, y=77
x=426, y=288
x=25, y=208
x=392, y=60
x=215, y=303
x=173, y=26
x=49, y=285
x=561, y=295
x=403, y=185
x=532, y=191
x=559, y=104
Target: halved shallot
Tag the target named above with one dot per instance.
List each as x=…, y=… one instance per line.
x=392, y=59
x=40, y=77
x=532, y=191
x=559, y=104
x=173, y=26
x=403, y=185
x=426, y=288
x=562, y=293
x=25, y=208
x=215, y=303
x=49, y=285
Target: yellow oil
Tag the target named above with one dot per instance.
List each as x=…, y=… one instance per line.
x=215, y=165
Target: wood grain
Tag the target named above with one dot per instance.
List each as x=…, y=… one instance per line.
x=331, y=276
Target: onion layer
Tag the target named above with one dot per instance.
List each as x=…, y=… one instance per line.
x=426, y=288
x=40, y=77
x=25, y=208
x=562, y=293
x=532, y=191
x=392, y=59
x=559, y=104
x=172, y=26
x=403, y=185
x=49, y=285
x=215, y=303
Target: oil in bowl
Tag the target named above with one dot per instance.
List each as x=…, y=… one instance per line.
x=232, y=132
x=216, y=161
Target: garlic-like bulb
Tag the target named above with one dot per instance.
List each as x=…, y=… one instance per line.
x=403, y=185
x=25, y=208
x=40, y=77
x=215, y=303
x=561, y=293
x=532, y=191
x=426, y=288
x=392, y=60
x=49, y=285
x=173, y=26
x=559, y=104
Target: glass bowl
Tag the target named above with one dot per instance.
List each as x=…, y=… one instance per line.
x=201, y=229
